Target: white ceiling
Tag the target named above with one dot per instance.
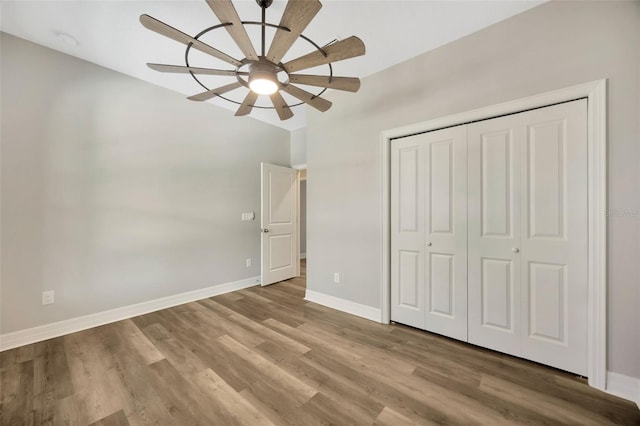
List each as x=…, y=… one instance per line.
x=109, y=34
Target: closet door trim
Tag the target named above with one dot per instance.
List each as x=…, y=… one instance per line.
x=596, y=94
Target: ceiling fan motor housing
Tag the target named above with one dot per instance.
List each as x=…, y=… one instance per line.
x=264, y=3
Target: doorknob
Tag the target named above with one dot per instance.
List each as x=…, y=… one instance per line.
x=429, y=244
x=265, y=230
x=515, y=250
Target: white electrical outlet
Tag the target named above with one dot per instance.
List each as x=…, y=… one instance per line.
x=48, y=297
x=336, y=277
x=248, y=262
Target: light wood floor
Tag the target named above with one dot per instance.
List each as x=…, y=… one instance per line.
x=265, y=356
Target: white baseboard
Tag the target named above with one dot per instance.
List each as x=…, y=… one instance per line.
x=303, y=255
x=624, y=386
x=60, y=328
x=343, y=305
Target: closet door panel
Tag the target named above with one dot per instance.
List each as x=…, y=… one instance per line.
x=446, y=237
x=407, y=232
x=528, y=229
x=554, y=236
x=429, y=232
x=494, y=235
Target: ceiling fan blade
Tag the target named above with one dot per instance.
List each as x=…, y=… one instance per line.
x=344, y=49
x=215, y=92
x=195, y=70
x=297, y=15
x=177, y=35
x=283, y=110
x=226, y=12
x=349, y=84
x=247, y=104
x=317, y=102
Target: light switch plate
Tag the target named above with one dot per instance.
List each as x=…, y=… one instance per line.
x=248, y=216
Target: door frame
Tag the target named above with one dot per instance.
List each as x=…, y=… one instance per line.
x=596, y=94
x=300, y=168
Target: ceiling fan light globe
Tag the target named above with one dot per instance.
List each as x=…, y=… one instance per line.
x=263, y=86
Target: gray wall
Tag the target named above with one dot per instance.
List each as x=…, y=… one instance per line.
x=115, y=191
x=303, y=216
x=555, y=45
x=298, y=147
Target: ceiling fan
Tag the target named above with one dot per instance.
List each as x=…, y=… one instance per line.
x=264, y=73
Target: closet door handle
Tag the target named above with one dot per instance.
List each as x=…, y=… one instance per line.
x=515, y=250
x=429, y=244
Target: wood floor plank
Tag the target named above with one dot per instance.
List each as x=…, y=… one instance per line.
x=116, y=419
x=291, y=363
x=51, y=380
x=236, y=409
x=138, y=341
x=264, y=355
x=336, y=411
x=139, y=390
x=389, y=417
x=561, y=411
x=17, y=408
x=296, y=389
x=183, y=359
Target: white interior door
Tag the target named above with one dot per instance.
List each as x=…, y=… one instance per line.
x=408, y=231
x=554, y=237
x=429, y=232
x=279, y=223
x=494, y=233
x=528, y=235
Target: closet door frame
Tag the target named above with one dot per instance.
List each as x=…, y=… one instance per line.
x=596, y=94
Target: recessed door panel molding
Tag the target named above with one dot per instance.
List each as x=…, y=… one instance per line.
x=442, y=284
x=408, y=188
x=441, y=187
x=281, y=198
x=279, y=223
x=281, y=249
x=410, y=288
x=548, y=302
x=547, y=179
x=497, y=183
x=497, y=291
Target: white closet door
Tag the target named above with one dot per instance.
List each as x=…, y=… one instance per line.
x=494, y=233
x=429, y=233
x=528, y=235
x=407, y=231
x=554, y=237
